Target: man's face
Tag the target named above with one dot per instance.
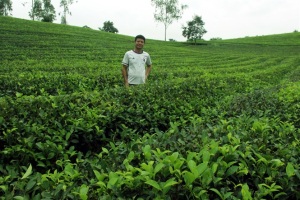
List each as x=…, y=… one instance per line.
x=139, y=43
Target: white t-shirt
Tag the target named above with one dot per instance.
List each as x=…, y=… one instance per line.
x=136, y=63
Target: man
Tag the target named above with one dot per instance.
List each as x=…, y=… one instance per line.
x=134, y=71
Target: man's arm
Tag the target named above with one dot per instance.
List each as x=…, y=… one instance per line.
x=148, y=70
x=125, y=75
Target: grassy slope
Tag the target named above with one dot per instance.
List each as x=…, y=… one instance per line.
x=44, y=40
x=51, y=47
x=62, y=42
x=52, y=58
x=292, y=39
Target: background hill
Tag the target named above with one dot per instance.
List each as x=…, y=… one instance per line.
x=216, y=120
x=292, y=39
x=53, y=48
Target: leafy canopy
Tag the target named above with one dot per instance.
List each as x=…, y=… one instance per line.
x=43, y=10
x=166, y=11
x=194, y=29
x=65, y=5
x=5, y=7
x=108, y=26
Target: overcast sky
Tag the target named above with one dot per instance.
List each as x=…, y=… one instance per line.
x=223, y=18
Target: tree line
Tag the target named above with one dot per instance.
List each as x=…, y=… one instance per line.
x=41, y=10
x=166, y=12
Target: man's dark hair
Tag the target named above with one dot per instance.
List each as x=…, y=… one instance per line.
x=140, y=37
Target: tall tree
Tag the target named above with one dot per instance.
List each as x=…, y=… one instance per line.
x=108, y=26
x=5, y=7
x=48, y=14
x=166, y=11
x=194, y=29
x=36, y=10
x=43, y=10
x=65, y=4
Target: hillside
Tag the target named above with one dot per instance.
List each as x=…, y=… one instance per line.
x=52, y=48
x=218, y=120
x=287, y=39
x=63, y=42
x=44, y=40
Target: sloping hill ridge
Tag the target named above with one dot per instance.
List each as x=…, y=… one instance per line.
x=53, y=48
x=292, y=39
x=42, y=40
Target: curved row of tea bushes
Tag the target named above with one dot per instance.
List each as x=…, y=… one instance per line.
x=101, y=142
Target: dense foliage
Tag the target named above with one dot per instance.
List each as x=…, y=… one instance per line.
x=5, y=7
x=108, y=26
x=194, y=29
x=166, y=11
x=215, y=121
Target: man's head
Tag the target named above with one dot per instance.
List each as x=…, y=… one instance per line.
x=139, y=42
x=140, y=37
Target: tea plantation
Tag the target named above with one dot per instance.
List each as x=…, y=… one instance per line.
x=218, y=120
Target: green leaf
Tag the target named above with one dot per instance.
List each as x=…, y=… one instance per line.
x=83, y=192
x=158, y=167
x=51, y=155
x=69, y=169
x=30, y=184
x=148, y=167
x=104, y=150
x=100, y=177
x=3, y=187
x=167, y=185
x=113, y=179
x=174, y=157
x=147, y=152
x=201, y=168
x=18, y=94
x=19, y=198
x=190, y=156
x=206, y=156
x=153, y=184
x=217, y=192
x=130, y=156
x=290, y=170
x=228, y=194
x=170, y=182
x=28, y=172
x=101, y=184
x=246, y=193
x=39, y=145
x=112, y=182
x=193, y=167
x=215, y=167
x=189, y=177
x=178, y=164
x=280, y=194
x=232, y=170
x=207, y=177
x=68, y=135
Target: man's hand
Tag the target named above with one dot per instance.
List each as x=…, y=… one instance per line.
x=148, y=70
x=125, y=75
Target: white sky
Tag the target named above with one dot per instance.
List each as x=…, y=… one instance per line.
x=223, y=18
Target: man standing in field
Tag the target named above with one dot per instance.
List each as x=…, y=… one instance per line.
x=134, y=71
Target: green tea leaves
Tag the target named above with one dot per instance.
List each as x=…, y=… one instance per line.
x=28, y=172
x=290, y=170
